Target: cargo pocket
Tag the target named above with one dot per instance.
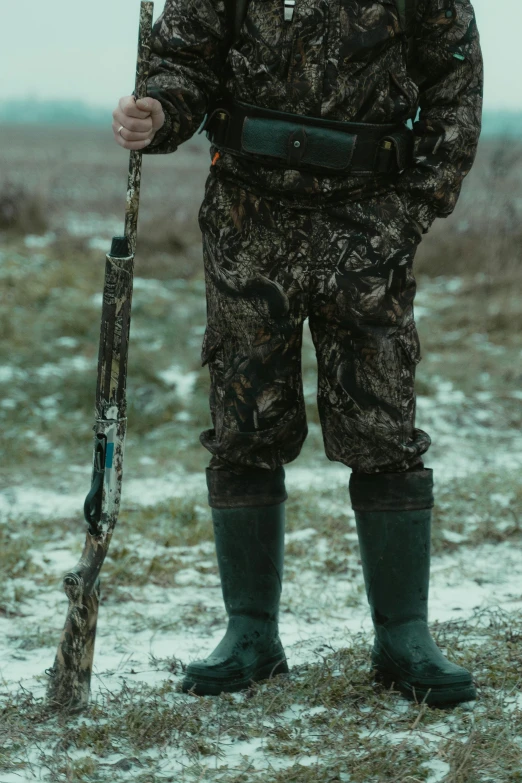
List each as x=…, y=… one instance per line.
x=212, y=341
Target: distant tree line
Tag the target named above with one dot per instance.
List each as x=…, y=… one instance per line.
x=29, y=111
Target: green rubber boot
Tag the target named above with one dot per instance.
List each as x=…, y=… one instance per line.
x=393, y=516
x=250, y=550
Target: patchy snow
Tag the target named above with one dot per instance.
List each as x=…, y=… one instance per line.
x=182, y=380
x=319, y=612
x=316, y=618
x=65, y=366
x=183, y=416
x=40, y=240
x=449, y=456
x=66, y=342
x=91, y=224
x=16, y=502
x=96, y=299
x=320, y=609
x=9, y=373
x=99, y=243
x=147, y=461
x=317, y=608
x=154, y=288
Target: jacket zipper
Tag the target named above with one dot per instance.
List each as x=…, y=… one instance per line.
x=289, y=6
x=288, y=16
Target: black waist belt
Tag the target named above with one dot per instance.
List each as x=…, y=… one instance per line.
x=297, y=141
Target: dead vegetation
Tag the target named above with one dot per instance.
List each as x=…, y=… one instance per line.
x=327, y=721
x=22, y=211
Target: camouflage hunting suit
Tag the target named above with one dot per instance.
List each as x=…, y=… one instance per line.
x=284, y=245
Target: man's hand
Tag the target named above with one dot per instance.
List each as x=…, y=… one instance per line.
x=139, y=122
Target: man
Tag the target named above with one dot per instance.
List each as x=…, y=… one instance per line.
x=317, y=215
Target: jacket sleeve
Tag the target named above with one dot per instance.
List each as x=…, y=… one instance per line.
x=446, y=63
x=190, y=42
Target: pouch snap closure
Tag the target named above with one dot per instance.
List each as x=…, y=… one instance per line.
x=296, y=147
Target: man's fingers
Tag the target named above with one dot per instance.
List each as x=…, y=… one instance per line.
x=127, y=106
x=132, y=124
x=132, y=145
x=129, y=135
x=138, y=123
x=155, y=108
x=150, y=105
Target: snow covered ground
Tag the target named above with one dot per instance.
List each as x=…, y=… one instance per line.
x=161, y=602
x=323, y=611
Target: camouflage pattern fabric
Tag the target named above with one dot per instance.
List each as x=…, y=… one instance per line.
x=338, y=59
x=348, y=268
x=282, y=245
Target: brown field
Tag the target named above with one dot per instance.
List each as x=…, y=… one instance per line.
x=61, y=199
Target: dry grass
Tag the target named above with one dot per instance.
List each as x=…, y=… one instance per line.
x=22, y=211
x=328, y=721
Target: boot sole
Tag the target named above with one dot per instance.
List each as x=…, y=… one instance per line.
x=201, y=686
x=430, y=695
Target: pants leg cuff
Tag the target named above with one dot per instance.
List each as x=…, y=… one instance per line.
x=392, y=491
x=253, y=487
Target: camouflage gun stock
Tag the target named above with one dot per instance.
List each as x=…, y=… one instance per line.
x=70, y=676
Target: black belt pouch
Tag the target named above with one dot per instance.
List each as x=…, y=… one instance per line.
x=298, y=145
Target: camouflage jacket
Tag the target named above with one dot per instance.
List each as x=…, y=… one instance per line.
x=337, y=59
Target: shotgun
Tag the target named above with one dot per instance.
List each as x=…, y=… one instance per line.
x=70, y=677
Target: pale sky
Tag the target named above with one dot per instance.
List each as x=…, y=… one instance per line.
x=86, y=49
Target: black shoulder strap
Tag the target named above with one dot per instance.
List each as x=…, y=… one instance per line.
x=407, y=10
x=236, y=12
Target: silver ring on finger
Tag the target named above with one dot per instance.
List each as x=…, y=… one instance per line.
x=120, y=130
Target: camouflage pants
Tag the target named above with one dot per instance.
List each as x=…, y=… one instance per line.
x=348, y=268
